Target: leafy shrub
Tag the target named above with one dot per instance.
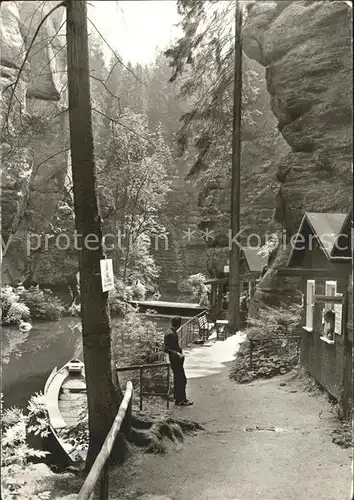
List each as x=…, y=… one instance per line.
x=43, y=305
x=119, y=297
x=271, y=355
x=15, y=452
x=141, y=339
x=139, y=291
x=77, y=435
x=195, y=285
x=17, y=312
x=38, y=418
x=13, y=311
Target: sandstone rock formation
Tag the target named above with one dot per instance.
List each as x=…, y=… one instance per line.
x=34, y=137
x=306, y=49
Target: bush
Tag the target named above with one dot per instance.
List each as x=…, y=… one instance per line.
x=13, y=311
x=195, y=285
x=118, y=299
x=15, y=452
x=271, y=355
x=43, y=305
x=140, y=339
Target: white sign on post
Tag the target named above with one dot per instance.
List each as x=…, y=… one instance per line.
x=338, y=319
x=107, y=278
x=338, y=316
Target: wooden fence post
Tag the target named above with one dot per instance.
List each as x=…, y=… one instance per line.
x=141, y=388
x=251, y=348
x=104, y=482
x=347, y=358
x=168, y=386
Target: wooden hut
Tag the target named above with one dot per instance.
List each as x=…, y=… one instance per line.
x=322, y=255
x=251, y=266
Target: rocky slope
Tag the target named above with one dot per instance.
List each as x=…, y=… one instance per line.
x=305, y=47
x=34, y=140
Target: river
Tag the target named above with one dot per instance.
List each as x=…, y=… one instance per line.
x=29, y=358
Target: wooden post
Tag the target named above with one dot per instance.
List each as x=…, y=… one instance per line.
x=101, y=459
x=168, y=387
x=251, y=348
x=104, y=482
x=234, y=275
x=347, y=358
x=141, y=389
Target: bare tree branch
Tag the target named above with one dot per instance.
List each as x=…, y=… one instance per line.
x=105, y=86
x=51, y=38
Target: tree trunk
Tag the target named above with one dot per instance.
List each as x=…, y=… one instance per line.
x=103, y=392
x=234, y=275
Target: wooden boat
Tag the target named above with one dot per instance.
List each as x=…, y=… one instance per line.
x=65, y=397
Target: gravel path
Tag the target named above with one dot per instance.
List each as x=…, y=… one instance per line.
x=232, y=460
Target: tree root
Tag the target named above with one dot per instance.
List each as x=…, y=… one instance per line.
x=152, y=433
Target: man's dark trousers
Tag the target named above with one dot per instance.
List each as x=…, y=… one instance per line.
x=179, y=380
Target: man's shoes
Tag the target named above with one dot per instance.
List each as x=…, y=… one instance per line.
x=186, y=402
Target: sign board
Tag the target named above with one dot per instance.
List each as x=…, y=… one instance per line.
x=107, y=278
x=226, y=269
x=338, y=318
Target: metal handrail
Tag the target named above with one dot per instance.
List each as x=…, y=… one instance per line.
x=140, y=368
x=100, y=467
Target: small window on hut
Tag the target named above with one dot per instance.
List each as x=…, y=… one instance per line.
x=310, y=296
x=330, y=290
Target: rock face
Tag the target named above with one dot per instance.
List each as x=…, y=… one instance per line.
x=34, y=139
x=305, y=47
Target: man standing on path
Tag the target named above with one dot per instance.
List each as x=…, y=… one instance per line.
x=176, y=357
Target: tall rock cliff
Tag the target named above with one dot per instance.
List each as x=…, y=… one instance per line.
x=34, y=141
x=306, y=49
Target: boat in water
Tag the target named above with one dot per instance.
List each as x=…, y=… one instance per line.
x=66, y=402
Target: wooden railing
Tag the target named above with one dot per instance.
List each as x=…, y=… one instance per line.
x=189, y=331
x=100, y=467
x=141, y=368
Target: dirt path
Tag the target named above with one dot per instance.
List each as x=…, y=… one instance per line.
x=297, y=461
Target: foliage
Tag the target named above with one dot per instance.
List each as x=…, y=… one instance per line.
x=196, y=285
x=43, y=305
x=13, y=311
x=119, y=297
x=273, y=351
x=36, y=304
x=275, y=321
x=133, y=161
x=140, y=337
x=15, y=452
x=78, y=435
x=38, y=415
x=206, y=53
